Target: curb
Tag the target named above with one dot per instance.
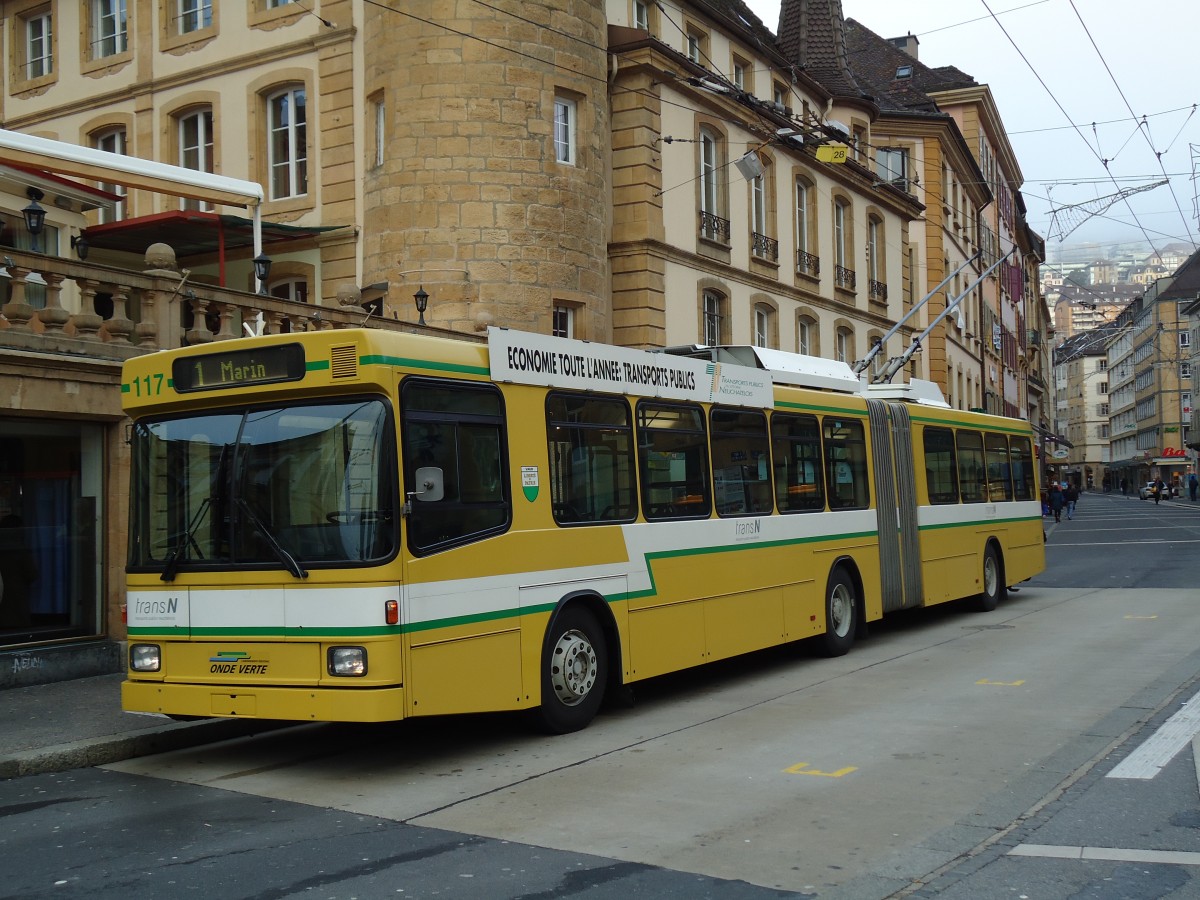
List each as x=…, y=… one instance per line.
x=104, y=750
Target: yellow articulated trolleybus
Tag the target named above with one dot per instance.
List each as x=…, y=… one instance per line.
x=360, y=525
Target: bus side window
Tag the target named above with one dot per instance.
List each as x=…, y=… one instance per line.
x=1021, y=453
x=741, y=463
x=999, y=471
x=971, y=478
x=941, y=473
x=846, y=464
x=796, y=447
x=590, y=446
x=458, y=427
x=673, y=459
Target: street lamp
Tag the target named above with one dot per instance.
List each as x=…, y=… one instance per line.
x=35, y=216
x=80, y=245
x=421, y=298
x=262, y=270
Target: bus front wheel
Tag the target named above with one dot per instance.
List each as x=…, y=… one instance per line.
x=841, y=614
x=574, y=671
x=994, y=589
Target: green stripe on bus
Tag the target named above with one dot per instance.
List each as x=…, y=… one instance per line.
x=431, y=365
x=812, y=407
x=316, y=365
x=954, y=423
x=975, y=523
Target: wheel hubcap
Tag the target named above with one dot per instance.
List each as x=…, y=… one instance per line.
x=989, y=576
x=573, y=668
x=841, y=610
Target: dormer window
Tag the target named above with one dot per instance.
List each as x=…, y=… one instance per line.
x=904, y=71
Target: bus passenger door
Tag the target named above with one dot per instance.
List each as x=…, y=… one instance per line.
x=895, y=505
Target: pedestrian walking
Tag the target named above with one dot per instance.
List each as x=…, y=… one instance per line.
x=1124, y=487
x=1158, y=490
x=1193, y=486
x=1056, y=500
x=1071, y=497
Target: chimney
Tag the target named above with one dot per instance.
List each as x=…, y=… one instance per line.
x=908, y=44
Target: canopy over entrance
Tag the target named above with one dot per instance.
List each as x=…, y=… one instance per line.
x=135, y=172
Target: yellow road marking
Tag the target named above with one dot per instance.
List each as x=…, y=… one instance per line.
x=1001, y=683
x=1141, y=617
x=803, y=769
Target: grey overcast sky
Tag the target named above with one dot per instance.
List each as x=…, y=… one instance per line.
x=1107, y=64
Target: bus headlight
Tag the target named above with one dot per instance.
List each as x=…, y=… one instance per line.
x=145, y=658
x=348, y=661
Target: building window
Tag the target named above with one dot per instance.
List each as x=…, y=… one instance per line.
x=293, y=289
x=39, y=45
x=111, y=141
x=695, y=46
x=873, y=248
x=194, y=15
x=1185, y=370
x=709, y=164
x=380, y=119
x=713, y=225
x=839, y=233
x=739, y=74
x=843, y=349
x=641, y=15
x=287, y=143
x=1185, y=339
x=758, y=204
x=843, y=248
x=564, y=130
x=713, y=313
x=806, y=336
x=196, y=149
x=563, y=324
x=109, y=28
x=891, y=164
x=763, y=326
x=807, y=260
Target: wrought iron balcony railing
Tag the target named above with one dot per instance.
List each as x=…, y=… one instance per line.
x=844, y=278
x=764, y=247
x=808, y=264
x=714, y=228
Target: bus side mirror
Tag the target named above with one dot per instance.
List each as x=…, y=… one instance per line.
x=430, y=483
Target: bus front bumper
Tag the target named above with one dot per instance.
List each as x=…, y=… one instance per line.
x=259, y=702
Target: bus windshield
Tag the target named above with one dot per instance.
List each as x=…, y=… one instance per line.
x=264, y=487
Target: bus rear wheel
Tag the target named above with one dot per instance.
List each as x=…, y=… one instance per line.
x=574, y=671
x=841, y=614
x=994, y=589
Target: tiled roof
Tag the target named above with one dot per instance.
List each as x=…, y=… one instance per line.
x=876, y=60
x=811, y=34
x=1186, y=285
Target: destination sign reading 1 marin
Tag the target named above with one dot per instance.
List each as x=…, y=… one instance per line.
x=238, y=368
x=561, y=362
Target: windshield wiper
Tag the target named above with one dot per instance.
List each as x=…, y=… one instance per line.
x=171, y=567
x=286, y=558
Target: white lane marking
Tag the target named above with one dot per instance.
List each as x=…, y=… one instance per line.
x=1112, y=854
x=1160, y=748
x=1113, y=543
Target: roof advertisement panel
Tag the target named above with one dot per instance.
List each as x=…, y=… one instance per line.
x=526, y=358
